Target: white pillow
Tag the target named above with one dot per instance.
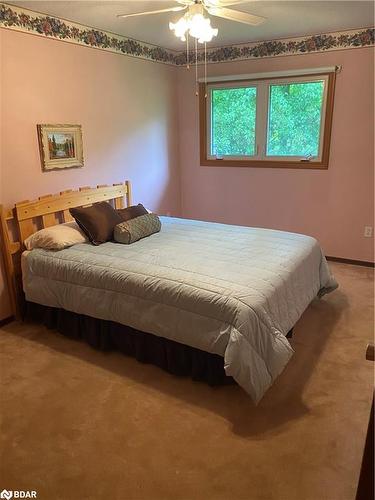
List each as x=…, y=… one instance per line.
x=56, y=237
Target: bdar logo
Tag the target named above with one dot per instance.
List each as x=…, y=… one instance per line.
x=6, y=494
x=18, y=494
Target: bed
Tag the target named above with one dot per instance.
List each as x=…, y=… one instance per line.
x=230, y=291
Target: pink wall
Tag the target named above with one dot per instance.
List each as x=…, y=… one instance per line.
x=333, y=205
x=126, y=107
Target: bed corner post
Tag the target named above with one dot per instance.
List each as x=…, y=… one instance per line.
x=9, y=251
x=128, y=193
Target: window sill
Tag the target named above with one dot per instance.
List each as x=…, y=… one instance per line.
x=301, y=165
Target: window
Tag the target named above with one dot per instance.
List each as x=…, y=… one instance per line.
x=278, y=122
x=233, y=120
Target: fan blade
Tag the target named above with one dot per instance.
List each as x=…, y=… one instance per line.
x=222, y=3
x=160, y=11
x=236, y=15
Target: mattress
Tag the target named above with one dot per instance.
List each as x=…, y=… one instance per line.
x=229, y=290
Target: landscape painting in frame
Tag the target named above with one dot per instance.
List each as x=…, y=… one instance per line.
x=60, y=146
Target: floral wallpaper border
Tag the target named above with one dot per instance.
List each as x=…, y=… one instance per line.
x=364, y=37
x=27, y=21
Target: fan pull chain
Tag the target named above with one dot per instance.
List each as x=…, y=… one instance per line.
x=196, y=67
x=205, y=70
x=187, y=51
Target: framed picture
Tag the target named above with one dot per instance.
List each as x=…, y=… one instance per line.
x=60, y=146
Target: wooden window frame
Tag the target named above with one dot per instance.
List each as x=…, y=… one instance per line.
x=322, y=164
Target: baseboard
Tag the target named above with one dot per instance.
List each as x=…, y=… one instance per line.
x=5, y=321
x=351, y=261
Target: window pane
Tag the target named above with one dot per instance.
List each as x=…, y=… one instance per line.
x=294, y=119
x=233, y=114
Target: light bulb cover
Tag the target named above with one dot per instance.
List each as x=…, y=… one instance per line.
x=196, y=25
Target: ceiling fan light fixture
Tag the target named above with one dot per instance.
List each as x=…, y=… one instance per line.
x=195, y=24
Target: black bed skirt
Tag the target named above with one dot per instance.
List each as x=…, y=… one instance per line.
x=171, y=356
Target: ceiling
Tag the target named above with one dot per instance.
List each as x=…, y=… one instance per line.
x=284, y=18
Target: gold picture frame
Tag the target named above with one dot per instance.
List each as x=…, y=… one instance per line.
x=60, y=146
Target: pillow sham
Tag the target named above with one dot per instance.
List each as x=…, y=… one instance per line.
x=97, y=221
x=56, y=237
x=132, y=212
x=133, y=230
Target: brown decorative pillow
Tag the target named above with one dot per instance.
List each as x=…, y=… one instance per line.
x=97, y=221
x=132, y=212
x=137, y=228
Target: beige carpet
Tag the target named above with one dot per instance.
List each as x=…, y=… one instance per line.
x=80, y=424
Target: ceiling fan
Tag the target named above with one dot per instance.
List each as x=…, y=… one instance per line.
x=194, y=22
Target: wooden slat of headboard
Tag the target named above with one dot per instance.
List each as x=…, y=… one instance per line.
x=129, y=199
x=61, y=202
x=65, y=213
x=26, y=228
x=119, y=202
x=48, y=219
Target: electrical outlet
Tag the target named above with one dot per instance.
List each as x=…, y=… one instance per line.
x=368, y=232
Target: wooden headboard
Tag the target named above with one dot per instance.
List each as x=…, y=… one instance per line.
x=27, y=217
